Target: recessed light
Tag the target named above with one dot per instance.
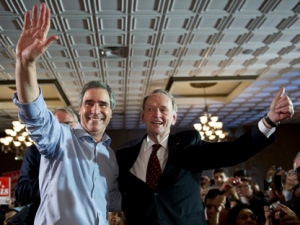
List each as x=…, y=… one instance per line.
x=247, y=51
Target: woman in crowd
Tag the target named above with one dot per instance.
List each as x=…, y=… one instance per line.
x=242, y=214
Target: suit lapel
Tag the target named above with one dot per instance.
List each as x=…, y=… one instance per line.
x=170, y=173
x=129, y=154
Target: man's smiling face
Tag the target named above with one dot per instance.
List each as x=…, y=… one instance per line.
x=95, y=112
x=158, y=115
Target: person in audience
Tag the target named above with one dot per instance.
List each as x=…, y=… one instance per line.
x=294, y=203
x=256, y=189
x=273, y=170
x=280, y=214
x=271, y=214
x=220, y=176
x=247, y=196
x=171, y=195
x=27, y=188
x=229, y=188
x=216, y=207
x=289, y=180
x=296, y=191
x=241, y=172
x=234, y=202
x=275, y=194
x=204, y=186
x=10, y=212
x=287, y=216
x=78, y=169
x=20, y=217
x=242, y=214
x=115, y=218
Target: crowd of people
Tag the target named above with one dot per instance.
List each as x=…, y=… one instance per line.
x=78, y=179
x=229, y=199
x=226, y=196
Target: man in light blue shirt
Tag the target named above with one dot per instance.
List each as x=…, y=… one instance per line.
x=78, y=169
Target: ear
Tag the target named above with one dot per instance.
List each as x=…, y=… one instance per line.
x=174, y=118
x=143, y=119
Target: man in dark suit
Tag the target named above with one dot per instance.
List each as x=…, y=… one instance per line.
x=176, y=198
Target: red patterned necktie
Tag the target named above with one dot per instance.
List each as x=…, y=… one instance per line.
x=153, y=169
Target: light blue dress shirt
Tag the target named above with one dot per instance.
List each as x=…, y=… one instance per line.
x=78, y=177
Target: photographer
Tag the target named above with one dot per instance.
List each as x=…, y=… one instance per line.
x=271, y=215
x=279, y=214
x=242, y=214
x=247, y=195
x=217, y=202
x=216, y=207
x=275, y=191
x=229, y=188
x=273, y=170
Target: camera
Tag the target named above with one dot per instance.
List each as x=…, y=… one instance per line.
x=273, y=206
x=235, y=181
x=278, y=168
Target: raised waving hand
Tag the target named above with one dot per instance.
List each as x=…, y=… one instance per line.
x=34, y=41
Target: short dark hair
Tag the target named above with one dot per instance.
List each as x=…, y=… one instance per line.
x=213, y=193
x=162, y=91
x=234, y=212
x=240, y=172
x=99, y=85
x=246, y=180
x=221, y=170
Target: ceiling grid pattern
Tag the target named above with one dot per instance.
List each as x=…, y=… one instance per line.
x=162, y=40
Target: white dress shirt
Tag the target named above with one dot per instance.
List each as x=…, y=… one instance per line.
x=139, y=168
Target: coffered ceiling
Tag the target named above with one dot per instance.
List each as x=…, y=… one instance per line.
x=249, y=48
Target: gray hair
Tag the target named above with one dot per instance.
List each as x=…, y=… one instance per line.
x=99, y=85
x=296, y=157
x=69, y=111
x=162, y=91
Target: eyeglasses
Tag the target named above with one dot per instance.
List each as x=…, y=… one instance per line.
x=297, y=170
x=246, y=187
x=68, y=122
x=245, y=217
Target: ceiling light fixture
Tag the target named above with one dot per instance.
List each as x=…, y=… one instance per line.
x=16, y=141
x=113, y=52
x=209, y=127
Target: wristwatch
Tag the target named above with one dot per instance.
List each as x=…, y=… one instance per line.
x=270, y=122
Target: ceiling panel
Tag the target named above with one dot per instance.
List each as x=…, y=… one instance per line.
x=155, y=41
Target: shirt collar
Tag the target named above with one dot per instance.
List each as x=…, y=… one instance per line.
x=149, y=143
x=81, y=132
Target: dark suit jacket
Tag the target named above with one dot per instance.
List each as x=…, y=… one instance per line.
x=176, y=199
x=294, y=204
x=27, y=189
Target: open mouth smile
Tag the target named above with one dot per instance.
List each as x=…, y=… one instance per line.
x=157, y=122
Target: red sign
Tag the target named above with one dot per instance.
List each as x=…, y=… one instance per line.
x=4, y=190
x=14, y=175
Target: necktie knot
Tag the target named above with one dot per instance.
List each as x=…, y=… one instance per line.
x=155, y=148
